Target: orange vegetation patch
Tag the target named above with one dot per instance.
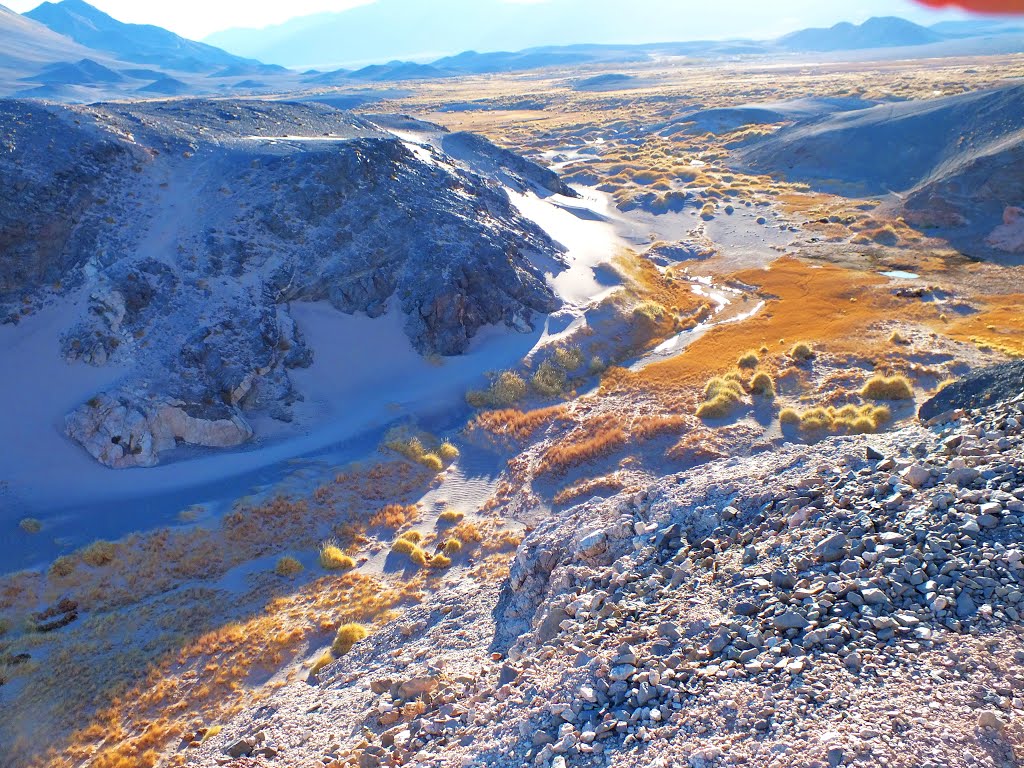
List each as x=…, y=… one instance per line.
x=597, y=486
x=395, y=516
x=999, y=326
x=516, y=424
x=136, y=717
x=593, y=440
x=818, y=304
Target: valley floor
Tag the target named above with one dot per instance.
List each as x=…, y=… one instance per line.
x=694, y=520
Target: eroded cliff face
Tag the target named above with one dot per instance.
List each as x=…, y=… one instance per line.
x=192, y=226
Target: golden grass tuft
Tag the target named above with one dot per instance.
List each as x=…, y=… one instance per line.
x=448, y=452
x=333, y=559
x=99, y=553
x=439, y=560
x=721, y=396
x=762, y=384
x=289, y=567
x=347, y=636
x=568, y=358
x=748, y=360
x=452, y=546
x=432, y=462
x=848, y=419
x=325, y=658
x=451, y=516
x=888, y=388
x=801, y=352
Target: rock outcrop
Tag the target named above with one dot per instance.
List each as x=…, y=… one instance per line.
x=191, y=227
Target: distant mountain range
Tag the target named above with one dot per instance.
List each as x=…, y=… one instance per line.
x=140, y=43
x=71, y=51
x=430, y=32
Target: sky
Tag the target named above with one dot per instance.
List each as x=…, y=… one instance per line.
x=196, y=19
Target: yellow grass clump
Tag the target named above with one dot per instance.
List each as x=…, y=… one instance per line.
x=395, y=516
x=762, y=384
x=848, y=419
x=288, y=567
x=439, y=560
x=451, y=516
x=801, y=352
x=721, y=395
x=333, y=559
x=322, y=661
x=888, y=388
x=507, y=389
x=748, y=360
x=452, y=546
x=448, y=452
x=347, y=636
x=98, y=554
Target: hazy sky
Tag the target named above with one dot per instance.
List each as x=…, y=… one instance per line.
x=722, y=18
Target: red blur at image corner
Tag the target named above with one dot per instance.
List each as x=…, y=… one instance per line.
x=979, y=6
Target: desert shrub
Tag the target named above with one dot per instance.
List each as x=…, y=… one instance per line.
x=898, y=338
x=451, y=516
x=748, y=360
x=325, y=658
x=888, y=388
x=448, y=452
x=333, y=559
x=801, y=352
x=848, y=419
x=62, y=566
x=347, y=636
x=790, y=417
x=721, y=395
x=289, y=567
x=568, y=358
x=516, y=424
x=452, y=546
x=507, y=389
x=762, y=384
x=650, y=313
x=30, y=525
x=432, y=462
x=403, y=546
x=549, y=380
x=99, y=553
x=468, y=533
x=414, y=536
x=439, y=560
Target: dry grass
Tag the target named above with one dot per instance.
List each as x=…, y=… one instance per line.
x=888, y=388
x=763, y=385
x=748, y=360
x=507, y=388
x=347, y=636
x=451, y=517
x=288, y=567
x=598, y=439
x=801, y=352
x=395, y=516
x=847, y=419
x=333, y=559
x=99, y=554
x=722, y=396
x=518, y=425
x=599, y=486
x=322, y=661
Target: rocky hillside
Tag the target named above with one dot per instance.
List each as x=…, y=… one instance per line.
x=955, y=161
x=855, y=602
x=176, y=235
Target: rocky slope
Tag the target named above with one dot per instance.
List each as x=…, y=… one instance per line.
x=956, y=162
x=186, y=229
x=855, y=602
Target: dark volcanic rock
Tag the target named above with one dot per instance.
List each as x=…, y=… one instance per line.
x=977, y=390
